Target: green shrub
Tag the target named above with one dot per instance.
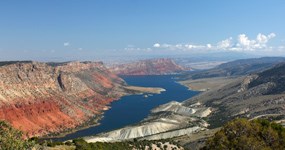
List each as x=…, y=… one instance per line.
x=12, y=139
x=81, y=144
x=243, y=134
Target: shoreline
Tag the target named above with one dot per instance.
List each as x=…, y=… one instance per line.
x=73, y=130
x=135, y=90
x=145, y=90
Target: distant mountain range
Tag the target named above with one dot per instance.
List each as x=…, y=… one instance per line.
x=236, y=68
x=161, y=66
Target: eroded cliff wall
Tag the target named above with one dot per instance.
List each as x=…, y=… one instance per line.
x=40, y=99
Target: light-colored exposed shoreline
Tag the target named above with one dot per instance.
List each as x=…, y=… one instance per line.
x=166, y=125
x=142, y=90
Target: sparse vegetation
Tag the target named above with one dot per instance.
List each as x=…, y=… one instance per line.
x=244, y=134
x=12, y=139
x=81, y=144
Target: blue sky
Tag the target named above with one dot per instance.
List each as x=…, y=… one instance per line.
x=94, y=29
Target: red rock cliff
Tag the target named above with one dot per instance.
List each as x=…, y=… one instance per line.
x=148, y=67
x=41, y=99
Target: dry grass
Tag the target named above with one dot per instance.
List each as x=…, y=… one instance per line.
x=206, y=84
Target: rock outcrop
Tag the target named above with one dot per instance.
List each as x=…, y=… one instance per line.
x=39, y=99
x=166, y=121
x=148, y=67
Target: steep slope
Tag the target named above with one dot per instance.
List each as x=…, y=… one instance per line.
x=148, y=67
x=251, y=96
x=275, y=76
x=237, y=68
x=41, y=99
x=246, y=96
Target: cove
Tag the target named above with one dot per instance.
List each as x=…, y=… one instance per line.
x=134, y=108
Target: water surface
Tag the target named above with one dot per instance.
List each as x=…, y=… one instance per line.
x=132, y=109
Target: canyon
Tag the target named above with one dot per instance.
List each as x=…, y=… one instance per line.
x=258, y=94
x=43, y=98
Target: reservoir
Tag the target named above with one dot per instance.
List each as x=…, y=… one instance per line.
x=134, y=108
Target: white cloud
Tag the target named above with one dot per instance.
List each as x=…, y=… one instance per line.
x=261, y=38
x=244, y=41
x=156, y=45
x=241, y=43
x=225, y=43
x=179, y=46
x=192, y=46
x=189, y=46
x=271, y=35
x=137, y=49
x=259, y=43
x=65, y=44
x=209, y=45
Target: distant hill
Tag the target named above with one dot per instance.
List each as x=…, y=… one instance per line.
x=275, y=76
x=3, y=63
x=160, y=66
x=255, y=95
x=236, y=68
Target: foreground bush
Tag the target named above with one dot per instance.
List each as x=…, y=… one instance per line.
x=248, y=135
x=12, y=139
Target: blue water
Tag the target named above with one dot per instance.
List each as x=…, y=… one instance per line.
x=132, y=109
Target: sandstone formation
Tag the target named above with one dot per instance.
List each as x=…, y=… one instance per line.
x=39, y=98
x=148, y=67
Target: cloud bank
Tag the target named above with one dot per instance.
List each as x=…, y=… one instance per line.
x=241, y=43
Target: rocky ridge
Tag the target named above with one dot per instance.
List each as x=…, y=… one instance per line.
x=40, y=99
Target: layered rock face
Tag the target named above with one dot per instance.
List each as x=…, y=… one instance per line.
x=39, y=99
x=148, y=67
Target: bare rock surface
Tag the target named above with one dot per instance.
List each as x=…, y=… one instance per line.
x=40, y=99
